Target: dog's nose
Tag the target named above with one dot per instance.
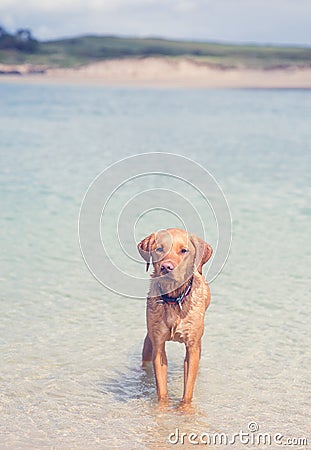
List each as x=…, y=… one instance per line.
x=167, y=266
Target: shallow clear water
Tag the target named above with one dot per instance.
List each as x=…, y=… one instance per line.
x=70, y=349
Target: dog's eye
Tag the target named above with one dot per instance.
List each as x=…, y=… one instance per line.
x=159, y=249
x=184, y=250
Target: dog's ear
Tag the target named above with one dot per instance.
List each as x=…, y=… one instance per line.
x=203, y=251
x=145, y=247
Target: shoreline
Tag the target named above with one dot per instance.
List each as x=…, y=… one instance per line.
x=160, y=72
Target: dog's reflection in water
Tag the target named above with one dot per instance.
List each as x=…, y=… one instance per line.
x=131, y=383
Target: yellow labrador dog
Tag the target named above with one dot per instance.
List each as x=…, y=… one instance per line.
x=176, y=303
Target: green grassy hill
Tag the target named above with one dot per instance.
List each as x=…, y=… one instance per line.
x=86, y=49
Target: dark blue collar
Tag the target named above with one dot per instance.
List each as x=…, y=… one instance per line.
x=176, y=300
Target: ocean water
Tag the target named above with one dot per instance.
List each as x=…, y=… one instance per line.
x=70, y=348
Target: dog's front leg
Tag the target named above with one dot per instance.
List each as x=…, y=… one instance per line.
x=160, y=369
x=147, y=351
x=191, y=366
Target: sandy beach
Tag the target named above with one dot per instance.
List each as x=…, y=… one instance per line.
x=160, y=72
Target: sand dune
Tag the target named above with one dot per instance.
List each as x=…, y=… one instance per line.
x=153, y=71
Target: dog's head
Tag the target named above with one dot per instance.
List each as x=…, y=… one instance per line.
x=175, y=254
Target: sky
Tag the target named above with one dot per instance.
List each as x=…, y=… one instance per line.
x=237, y=21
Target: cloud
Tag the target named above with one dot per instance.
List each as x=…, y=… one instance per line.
x=279, y=21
